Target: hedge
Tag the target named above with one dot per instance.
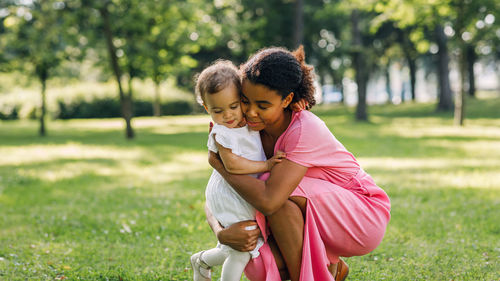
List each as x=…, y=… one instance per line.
x=103, y=108
x=108, y=108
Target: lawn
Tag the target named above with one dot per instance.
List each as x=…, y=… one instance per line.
x=83, y=203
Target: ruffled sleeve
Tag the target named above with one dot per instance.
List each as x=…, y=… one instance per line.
x=222, y=135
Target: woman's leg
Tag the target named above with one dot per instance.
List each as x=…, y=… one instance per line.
x=287, y=226
x=278, y=258
x=234, y=265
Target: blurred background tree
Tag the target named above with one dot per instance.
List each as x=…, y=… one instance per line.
x=38, y=36
x=354, y=45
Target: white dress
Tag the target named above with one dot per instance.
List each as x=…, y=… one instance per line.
x=224, y=202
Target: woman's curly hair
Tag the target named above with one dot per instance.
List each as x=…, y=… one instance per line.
x=283, y=71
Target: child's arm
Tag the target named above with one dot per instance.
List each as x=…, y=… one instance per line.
x=235, y=164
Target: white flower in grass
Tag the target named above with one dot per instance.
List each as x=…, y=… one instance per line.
x=158, y=237
x=126, y=228
x=2, y=258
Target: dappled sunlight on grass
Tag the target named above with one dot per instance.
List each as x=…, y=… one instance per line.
x=161, y=122
x=56, y=163
x=164, y=173
x=397, y=164
x=430, y=178
x=163, y=125
x=84, y=200
x=408, y=128
x=34, y=154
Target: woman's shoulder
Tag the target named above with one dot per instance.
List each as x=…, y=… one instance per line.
x=307, y=120
x=304, y=126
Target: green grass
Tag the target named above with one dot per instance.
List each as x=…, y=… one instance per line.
x=83, y=203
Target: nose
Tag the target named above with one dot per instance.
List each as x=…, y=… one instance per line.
x=226, y=115
x=249, y=110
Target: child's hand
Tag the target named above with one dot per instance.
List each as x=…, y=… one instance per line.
x=277, y=158
x=300, y=105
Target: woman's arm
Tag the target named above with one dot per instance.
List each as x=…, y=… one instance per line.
x=235, y=164
x=266, y=196
x=237, y=236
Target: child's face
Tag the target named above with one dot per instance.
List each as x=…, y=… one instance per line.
x=224, y=107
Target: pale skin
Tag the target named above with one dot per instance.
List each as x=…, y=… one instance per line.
x=264, y=110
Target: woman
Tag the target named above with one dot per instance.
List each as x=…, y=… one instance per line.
x=318, y=203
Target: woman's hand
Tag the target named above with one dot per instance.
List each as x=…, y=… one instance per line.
x=241, y=236
x=215, y=161
x=300, y=105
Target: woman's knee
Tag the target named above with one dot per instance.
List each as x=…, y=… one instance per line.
x=288, y=212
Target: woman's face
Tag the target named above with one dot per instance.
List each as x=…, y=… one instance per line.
x=263, y=108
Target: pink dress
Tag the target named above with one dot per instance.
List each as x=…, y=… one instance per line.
x=346, y=213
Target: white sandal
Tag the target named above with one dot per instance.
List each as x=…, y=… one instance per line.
x=201, y=270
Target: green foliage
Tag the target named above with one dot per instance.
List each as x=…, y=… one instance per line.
x=161, y=40
x=39, y=36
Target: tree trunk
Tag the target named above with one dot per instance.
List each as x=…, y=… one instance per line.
x=471, y=60
x=43, y=80
x=403, y=92
x=128, y=110
x=445, y=102
x=388, y=82
x=413, y=77
x=337, y=84
x=360, y=67
x=126, y=103
x=462, y=65
x=410, y=55
x=298, y=31
x=342, y=92
x=157, y=100
x=460, y=97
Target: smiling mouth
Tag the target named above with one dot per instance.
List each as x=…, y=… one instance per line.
x=230, y=122
x=252, y=124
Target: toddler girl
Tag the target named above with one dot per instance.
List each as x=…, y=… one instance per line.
x=218, y=90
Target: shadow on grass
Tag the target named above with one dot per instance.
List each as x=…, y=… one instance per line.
x=115, y=138
x=475, y=109
x=149, y=229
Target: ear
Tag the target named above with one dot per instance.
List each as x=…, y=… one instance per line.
x=288, y=100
